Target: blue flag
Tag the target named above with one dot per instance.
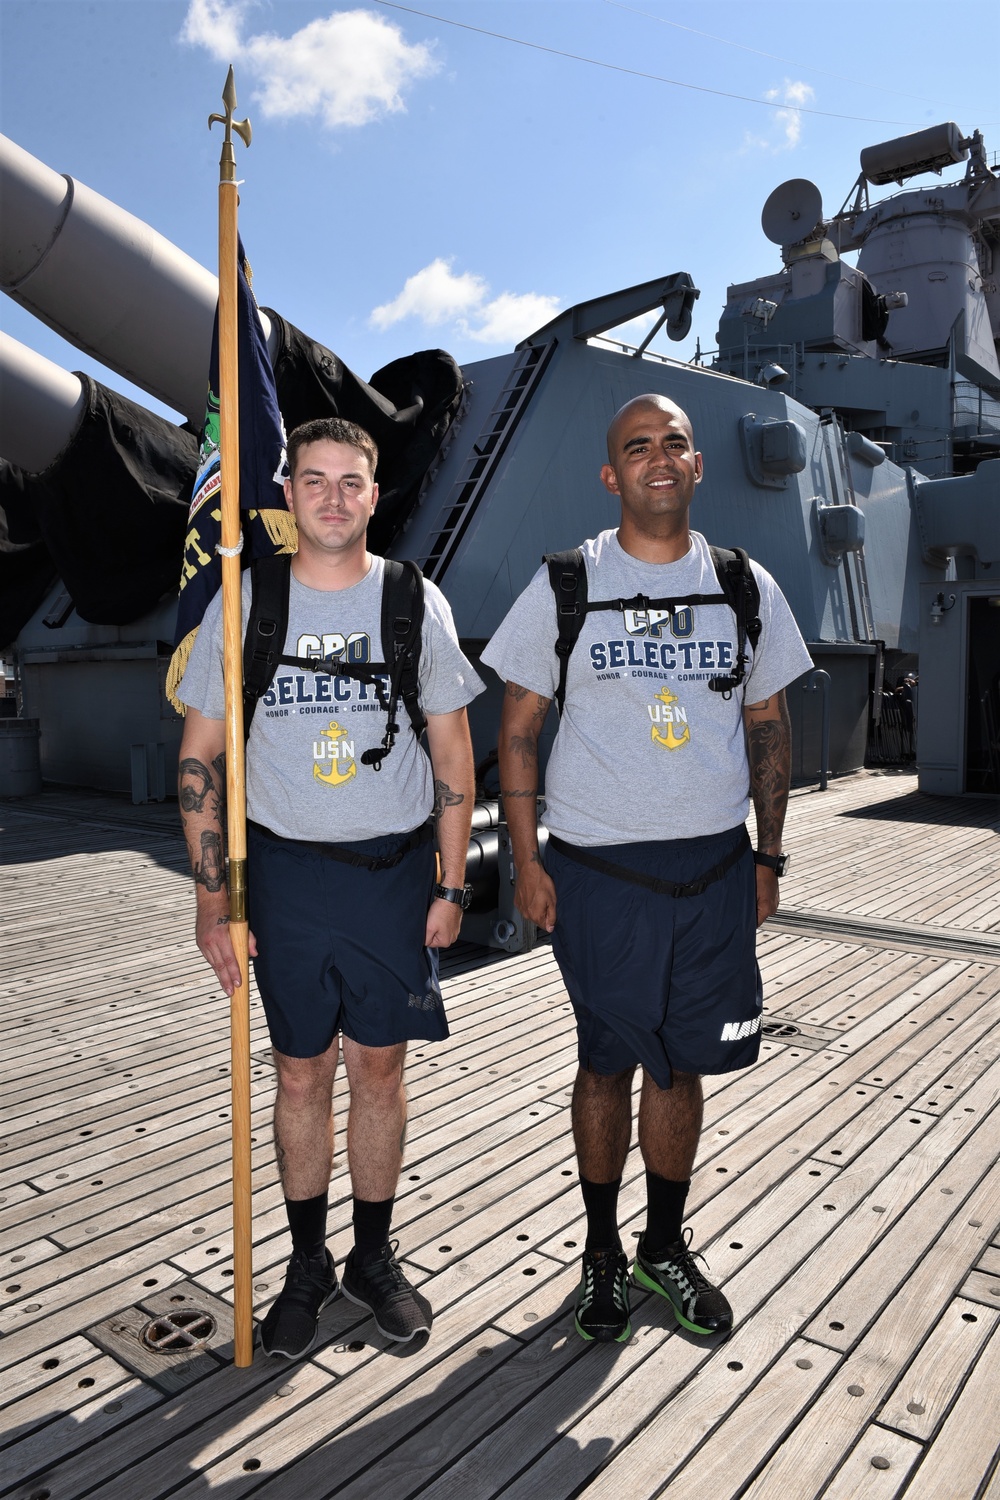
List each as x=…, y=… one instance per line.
x=267, y=524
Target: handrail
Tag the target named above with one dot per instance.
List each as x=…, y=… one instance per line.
x=818, y=678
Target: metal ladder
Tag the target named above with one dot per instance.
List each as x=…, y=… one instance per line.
x=481, y=464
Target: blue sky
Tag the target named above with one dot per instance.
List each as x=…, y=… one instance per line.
x=415, y=184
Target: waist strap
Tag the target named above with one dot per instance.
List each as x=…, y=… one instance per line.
x=414, y=840
x=650, y=882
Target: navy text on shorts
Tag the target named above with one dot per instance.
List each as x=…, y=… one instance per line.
x=667, y=982
x=340, y=948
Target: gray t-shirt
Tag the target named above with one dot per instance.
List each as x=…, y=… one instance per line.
x=305, y=779
x=645, y=750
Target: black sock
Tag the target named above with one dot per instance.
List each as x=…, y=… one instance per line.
x=371, y=1226
x=664, y=1211
x=600, y=1199
x=307, y=1221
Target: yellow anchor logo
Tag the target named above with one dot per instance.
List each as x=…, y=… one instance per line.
x=670, y=740
x=335, y=776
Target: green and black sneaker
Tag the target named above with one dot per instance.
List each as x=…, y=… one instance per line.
x=697, y=1304
x=602, y=1311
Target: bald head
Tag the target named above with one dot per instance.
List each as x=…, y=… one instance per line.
x=638, y=404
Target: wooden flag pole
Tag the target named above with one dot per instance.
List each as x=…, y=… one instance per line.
x=232, y=618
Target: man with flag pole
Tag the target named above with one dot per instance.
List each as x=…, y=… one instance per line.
x=344, y=956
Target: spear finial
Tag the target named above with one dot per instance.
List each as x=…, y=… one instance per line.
x=227, y=161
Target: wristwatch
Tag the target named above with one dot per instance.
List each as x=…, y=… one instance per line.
x=458, y=895
x=777, y=862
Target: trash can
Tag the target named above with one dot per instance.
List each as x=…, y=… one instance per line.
x=20, y=773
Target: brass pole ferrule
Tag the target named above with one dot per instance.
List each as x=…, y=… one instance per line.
x=237, y=890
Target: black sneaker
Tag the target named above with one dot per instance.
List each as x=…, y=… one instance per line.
x=289, y=1330
x=602, y=1311
x=697, y=1304
x=400, y=1312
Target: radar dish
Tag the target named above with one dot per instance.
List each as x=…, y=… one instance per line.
x=792, y=211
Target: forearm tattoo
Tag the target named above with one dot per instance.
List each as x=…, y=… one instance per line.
x=525, y=747
x=769, y=750
x=445, y=797
x=210, y=870
x=513, y=792
x=195, y=785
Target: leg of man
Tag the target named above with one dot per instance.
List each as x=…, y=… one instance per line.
x=669, y=1131
x=303, y=1121
x=376, y=1126
x=602, y=1129
x=303, y=1142
x=377, y=1120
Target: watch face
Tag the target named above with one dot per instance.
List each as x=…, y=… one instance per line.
x=782, y=863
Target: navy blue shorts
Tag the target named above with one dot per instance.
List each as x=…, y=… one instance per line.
x=341, y=949
x=671, y=983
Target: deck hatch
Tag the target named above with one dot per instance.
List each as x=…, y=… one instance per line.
x=177, y=1332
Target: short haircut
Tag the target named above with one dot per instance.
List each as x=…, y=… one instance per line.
x=651, y=398
x=330, y=430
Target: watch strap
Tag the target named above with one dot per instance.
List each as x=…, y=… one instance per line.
x=458, y=895
x=776, y=862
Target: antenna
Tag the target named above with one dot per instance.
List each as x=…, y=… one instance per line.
x=792, y=212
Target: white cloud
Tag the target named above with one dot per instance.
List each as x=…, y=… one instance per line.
x=215, y=25
x=347, y=69
x=512, y=316
x=438, y=296
x=435, y=295
x=787, y=121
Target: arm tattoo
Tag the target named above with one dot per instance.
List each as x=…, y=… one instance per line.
x=445, y=797
x=196, y=783
x=515, y=692
x=525, y=746
x=211, y=871
x=770, y=756
x=508, y=792
x=219, y=764
x=535, y=859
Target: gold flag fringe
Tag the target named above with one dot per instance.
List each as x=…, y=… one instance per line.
x=177, y=668
x=283, y=536
x=280, y=527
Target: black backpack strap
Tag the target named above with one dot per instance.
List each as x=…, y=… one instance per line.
x=402, y=621
x=266, y=628
x=732, y=569
x=568, y=577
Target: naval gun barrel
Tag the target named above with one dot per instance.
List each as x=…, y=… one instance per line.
x=106, y=281
x=40, y=406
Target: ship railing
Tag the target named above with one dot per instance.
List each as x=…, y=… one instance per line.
x=752, y=362
x=621, y=346
x=973, y=404
x=891, y=731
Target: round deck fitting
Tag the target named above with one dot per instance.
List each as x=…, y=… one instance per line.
x=178, y=1332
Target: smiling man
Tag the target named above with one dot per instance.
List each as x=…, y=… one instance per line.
x=345, y=914
x=674, y=711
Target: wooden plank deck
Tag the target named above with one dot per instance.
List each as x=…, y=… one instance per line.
x=847, y=1194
